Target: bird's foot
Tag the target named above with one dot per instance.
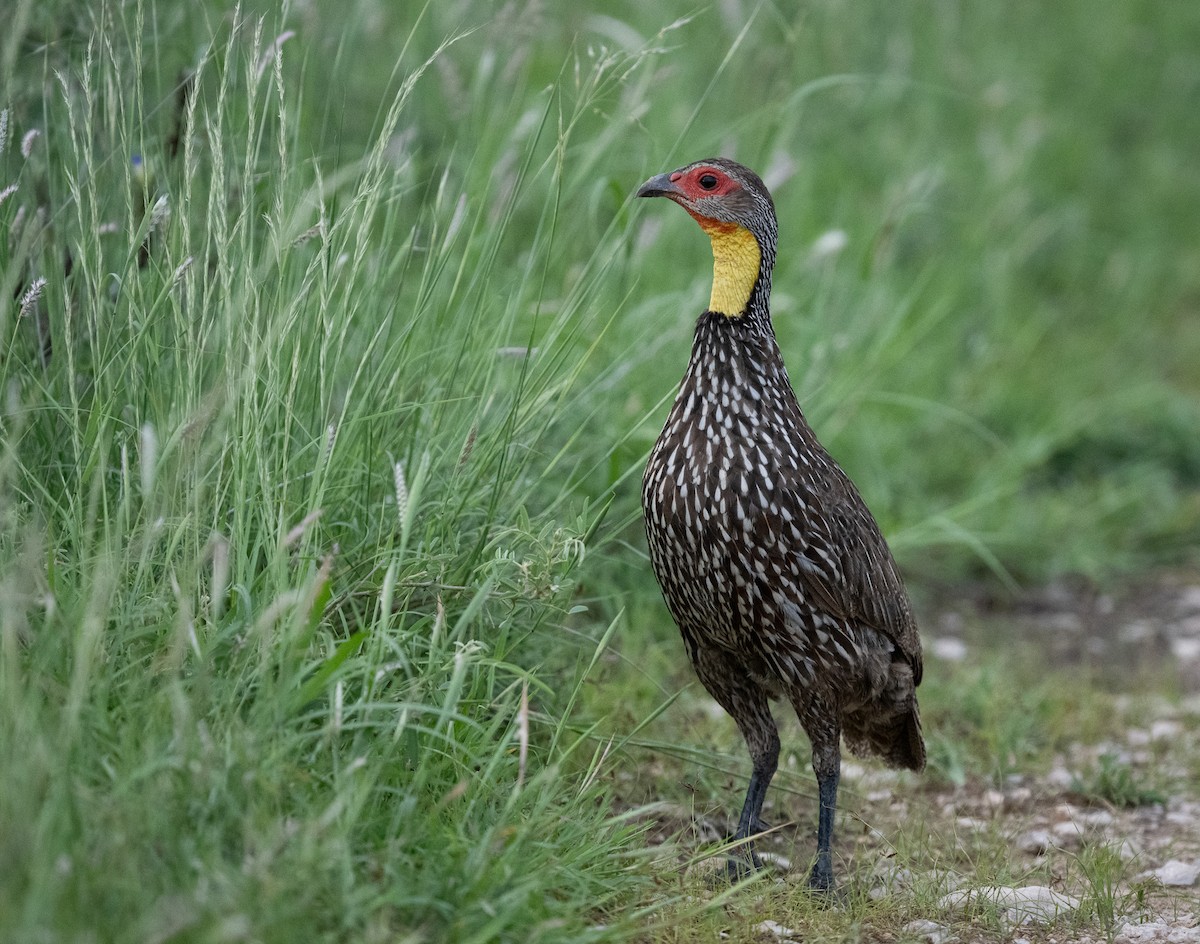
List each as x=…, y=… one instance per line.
x=821, y=882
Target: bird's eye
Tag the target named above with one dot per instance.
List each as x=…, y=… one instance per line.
x=708, y=181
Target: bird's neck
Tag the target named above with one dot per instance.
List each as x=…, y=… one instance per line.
x=737, y=268
x=738, y=358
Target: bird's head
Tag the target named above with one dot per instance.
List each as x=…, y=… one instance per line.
x=732, y=205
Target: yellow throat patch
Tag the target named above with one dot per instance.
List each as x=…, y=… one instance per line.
x=736, y=259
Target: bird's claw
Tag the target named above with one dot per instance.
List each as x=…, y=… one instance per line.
x=821, y=882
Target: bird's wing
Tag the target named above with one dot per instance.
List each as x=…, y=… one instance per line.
x=845, y=564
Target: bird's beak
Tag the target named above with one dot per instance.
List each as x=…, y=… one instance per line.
x=660, y=186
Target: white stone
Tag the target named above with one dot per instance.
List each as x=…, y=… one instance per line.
x=780, y=862
x=1030, y=904
x=929, y=931
x=1019, y=796
x=1137, y=632
x=1068, y=835
x=1186, y=648
x=1035, y=842
x=1177, y=873
x=778, y=930
x=891, y=877
x=1128, y=850
x=1068, y=622
x=948, y=648
x=1159, y=931
x=1097, y=819
x=1060, y=777
x=1037, y=904
x=1189, y=600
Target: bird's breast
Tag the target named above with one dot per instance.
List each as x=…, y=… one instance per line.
x=716, y=491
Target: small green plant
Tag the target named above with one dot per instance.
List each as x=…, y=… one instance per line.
x=1114, y=780
x=1103, y=901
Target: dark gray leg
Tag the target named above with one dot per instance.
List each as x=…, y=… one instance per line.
x=765, y=758
x=747, y=704
x=760, y=778
x=827, y=763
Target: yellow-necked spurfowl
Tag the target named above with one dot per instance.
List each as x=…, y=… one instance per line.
x=768, y=558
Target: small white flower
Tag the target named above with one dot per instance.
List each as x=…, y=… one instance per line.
x=269, y=56
x=181, y=269
x=310, y=233
x=297, y=531
x=159, y=212
x=30, y=298
x=401, y=493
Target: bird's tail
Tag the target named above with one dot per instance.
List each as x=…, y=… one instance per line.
x=897, y=740
x=913, y=755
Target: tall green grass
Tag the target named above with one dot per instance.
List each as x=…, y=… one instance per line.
x=290, y=539
x=332, y=346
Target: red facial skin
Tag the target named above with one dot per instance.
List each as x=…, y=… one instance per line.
x=689, y=183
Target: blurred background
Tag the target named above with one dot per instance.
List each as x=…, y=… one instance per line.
x=989, y=261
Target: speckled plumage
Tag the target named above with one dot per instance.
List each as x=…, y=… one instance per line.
x=770, y=562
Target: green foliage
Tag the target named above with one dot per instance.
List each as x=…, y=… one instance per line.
x=1105, y=902
x=1113, y=780
x=985, y=719
x=291, y=522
